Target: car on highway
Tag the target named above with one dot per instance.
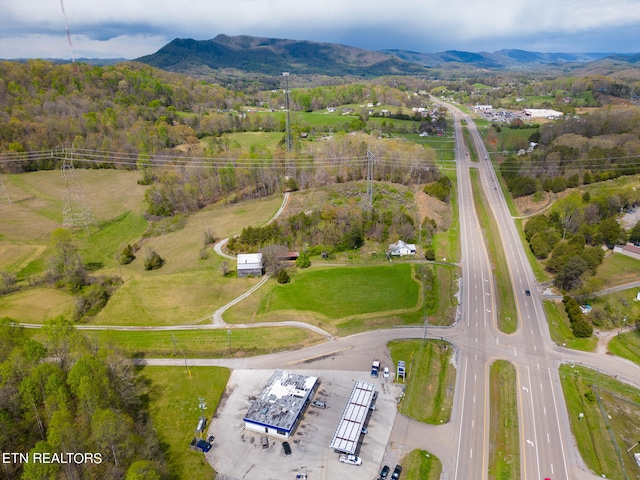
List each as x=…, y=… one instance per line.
x=286, y=447
x=350, y=459
x=527, y=293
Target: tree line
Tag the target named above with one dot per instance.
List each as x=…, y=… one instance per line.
x=577, y=151
x=134, y=108
x=60, y=394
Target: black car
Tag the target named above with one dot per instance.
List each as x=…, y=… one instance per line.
x=384, y=472
x=396, y=472
x=527, y=293
x=286, y=447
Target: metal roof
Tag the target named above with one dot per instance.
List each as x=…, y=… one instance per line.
x=345, y=438
x=281, y=400
x=247, y=261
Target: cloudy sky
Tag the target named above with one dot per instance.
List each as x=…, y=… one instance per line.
x=132, y=28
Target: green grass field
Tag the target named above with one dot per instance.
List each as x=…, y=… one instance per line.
x=617, y=270
x=173, y=404
x=627, y=345
x=37, y=305
x=218, y=343
x=560, y=329
x=610, y=422
x=343, y=292
x=430, y=379
x=342, y=299
x=420, y=464
x=504, y=451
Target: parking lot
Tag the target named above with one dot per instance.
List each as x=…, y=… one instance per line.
x=238, y=453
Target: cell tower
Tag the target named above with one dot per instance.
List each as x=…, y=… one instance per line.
x=76, y=211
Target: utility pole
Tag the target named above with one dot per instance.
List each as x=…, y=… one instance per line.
x=286, y=99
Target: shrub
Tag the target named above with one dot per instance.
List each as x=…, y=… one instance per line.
x=303, y=260
x=429, y=253
x=127, y=255
x=582, y=328
x=283, y=277
x=153, y=261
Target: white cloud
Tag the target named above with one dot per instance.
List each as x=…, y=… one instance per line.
x=132, y=25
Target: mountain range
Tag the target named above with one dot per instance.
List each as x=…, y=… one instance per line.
x=273, y=56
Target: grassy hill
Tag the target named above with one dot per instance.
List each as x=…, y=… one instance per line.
x=191, y=285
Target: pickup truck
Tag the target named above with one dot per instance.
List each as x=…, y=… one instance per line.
x=375, y=368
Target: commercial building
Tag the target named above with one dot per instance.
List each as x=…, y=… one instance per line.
x=276, y=411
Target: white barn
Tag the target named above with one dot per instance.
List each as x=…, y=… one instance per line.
x=249, y=264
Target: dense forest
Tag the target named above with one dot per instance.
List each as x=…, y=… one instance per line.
x=65, y=399
x=133, y=116
x=137, y=109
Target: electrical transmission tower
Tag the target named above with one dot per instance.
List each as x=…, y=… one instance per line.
x=371, y=160
x=76, y=211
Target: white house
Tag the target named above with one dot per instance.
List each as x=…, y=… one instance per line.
x=401, y=248
x=249, y=264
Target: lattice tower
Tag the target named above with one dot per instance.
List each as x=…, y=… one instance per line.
x=76, y=211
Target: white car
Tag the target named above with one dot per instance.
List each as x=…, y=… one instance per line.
x=385, y=372
x=350, y=459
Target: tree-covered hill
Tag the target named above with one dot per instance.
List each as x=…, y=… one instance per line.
x=270, y=56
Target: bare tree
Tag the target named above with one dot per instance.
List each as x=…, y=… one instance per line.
x=272, y=258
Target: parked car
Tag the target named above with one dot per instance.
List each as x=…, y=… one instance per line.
x=200, y=445
x=384, y=473
x=265, y=442
x=385, y=372
x=396, y=472
x=365, y=430
x=350, y=459
x=286, y=447
x=319, y=404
